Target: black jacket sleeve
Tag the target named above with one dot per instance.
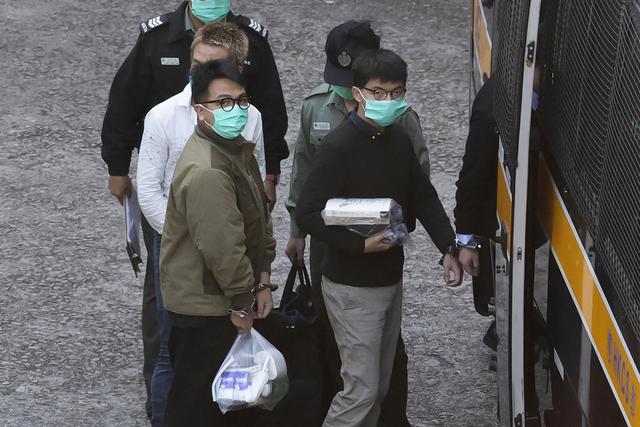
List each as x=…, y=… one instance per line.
x=122, y=125
x=325, y=181
x=476, y=194
x=263, y=85
x=429, y=209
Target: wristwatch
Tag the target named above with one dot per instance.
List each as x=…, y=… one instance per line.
x=475, y=243
x=260, y=286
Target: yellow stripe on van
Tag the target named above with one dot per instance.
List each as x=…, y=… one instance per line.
x=481, y=39
x=588, y=297
x=504, y=203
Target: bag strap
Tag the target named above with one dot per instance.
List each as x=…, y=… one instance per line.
x=291, y=280
x=303, y=275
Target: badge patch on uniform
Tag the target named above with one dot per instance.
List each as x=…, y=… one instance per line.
x=170, y=61
x=259, y=28
x=321, y=126
x=153, y=23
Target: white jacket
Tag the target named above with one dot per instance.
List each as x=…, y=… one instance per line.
x=167, y=127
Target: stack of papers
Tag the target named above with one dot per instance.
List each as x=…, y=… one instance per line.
x=132, y=219
x=358, y=211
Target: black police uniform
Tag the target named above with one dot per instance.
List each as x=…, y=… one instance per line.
x=157, y=68
x=475, y=211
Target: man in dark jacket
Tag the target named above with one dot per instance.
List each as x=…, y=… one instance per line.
x=323, y=110
x=369, y=156
x=475, y=211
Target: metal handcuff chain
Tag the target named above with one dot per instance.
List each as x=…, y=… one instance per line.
x=242, y=313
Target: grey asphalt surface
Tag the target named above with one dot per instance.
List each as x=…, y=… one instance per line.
x=70, y=342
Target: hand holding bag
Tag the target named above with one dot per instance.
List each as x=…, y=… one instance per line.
x=296, y=307
x=293, y=329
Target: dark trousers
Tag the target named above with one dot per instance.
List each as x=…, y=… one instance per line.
x=394, y=406
x=150, y=337
x=197, y=352
x=163, y=373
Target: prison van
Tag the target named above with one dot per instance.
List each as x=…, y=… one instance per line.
x=566, y=255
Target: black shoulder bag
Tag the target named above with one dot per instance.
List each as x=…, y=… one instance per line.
x=293, y=329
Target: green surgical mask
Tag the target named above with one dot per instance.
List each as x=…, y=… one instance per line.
x=343, y=92
x=384, y=113
x=229, y=124
x=210, y=10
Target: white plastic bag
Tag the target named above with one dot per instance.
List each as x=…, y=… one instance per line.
x=254, y=373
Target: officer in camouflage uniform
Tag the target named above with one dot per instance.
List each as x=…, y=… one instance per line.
x=156, y=69
x=323, y=109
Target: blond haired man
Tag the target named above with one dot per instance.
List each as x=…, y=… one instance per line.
x=167, y=127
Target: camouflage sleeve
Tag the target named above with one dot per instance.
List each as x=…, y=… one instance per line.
x=303, y=154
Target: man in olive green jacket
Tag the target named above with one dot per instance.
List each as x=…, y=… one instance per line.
x=217, y=246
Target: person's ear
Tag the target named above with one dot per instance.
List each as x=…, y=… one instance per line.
x=200, y=111
x=357, y=95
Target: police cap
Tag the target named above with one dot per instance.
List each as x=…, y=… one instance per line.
x=344, y=43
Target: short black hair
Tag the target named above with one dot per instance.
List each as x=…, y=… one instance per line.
x=203, y=74
x=381, y=64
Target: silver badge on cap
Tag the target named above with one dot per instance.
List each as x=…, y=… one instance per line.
x=344, y=59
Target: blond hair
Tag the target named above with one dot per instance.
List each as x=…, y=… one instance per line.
x=226, y=35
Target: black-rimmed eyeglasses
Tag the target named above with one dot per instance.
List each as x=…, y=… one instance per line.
x=227, y=104
x=380, y=94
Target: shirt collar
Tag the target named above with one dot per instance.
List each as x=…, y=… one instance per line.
x=178, y=26
x=337, y=101
x=230, y=146
x=188, y=24
x=369, y=130
x=184, y=101
x=184, y=98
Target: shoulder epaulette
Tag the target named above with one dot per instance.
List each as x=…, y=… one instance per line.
x=254, y=25
x=154, y=23
x=322, y=89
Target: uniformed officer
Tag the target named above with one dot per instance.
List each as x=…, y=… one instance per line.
x=156, y=69
x=475, y=211
x=323, y=109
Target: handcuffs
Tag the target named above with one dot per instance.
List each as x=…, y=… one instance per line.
x=475, y=243
x=244, y=312
x=260, y=286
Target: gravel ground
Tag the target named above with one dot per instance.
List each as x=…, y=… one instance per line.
x=70, y=345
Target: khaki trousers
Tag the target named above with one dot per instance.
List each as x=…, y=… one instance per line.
x=366, y=323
